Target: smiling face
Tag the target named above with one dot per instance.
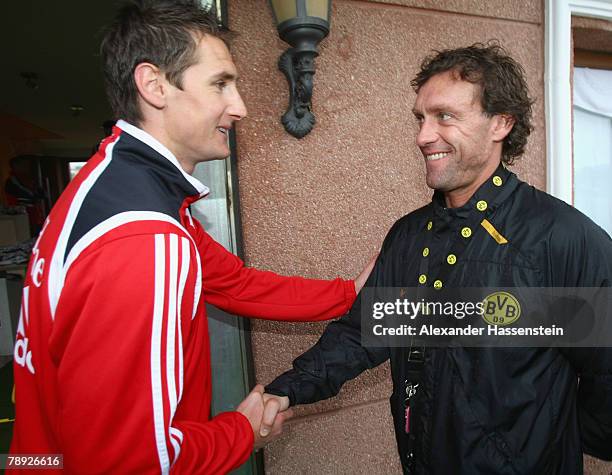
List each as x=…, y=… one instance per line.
x=198, y=116
x=461, y=145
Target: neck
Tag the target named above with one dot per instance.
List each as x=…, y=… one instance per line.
x=457, y=198
x=158, y=132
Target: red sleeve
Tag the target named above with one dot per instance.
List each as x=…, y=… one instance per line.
x=120, y=339
x=241, y=290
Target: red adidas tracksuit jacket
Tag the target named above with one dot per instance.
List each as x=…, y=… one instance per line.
x=112, y=364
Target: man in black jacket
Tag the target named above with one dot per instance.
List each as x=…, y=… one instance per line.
x=482, y=410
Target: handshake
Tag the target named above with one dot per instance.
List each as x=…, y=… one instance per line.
x=266, y=413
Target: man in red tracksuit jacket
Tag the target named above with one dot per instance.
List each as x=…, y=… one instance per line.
x=112, y=364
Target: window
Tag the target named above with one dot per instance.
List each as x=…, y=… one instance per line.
x=571, y=178
x=592, y=167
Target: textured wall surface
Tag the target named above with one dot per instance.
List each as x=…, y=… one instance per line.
x=321, y=206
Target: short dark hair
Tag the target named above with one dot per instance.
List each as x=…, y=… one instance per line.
x=161, y=32
x=502, y=85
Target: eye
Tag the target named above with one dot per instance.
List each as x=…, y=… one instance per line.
x=221, y=84
x=444, y=116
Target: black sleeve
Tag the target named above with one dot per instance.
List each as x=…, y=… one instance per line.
x=586, y=256
x=338, y=355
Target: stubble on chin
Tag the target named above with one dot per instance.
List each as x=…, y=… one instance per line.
x=437, y=181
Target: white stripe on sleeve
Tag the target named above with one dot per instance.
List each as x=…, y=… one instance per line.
x=171, y=323
x=156, y=336
x=185, y=263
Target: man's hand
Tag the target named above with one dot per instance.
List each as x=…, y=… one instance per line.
x=365, y=273
x=276, y=409
x=253, y=409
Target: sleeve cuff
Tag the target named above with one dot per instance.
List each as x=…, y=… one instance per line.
x=349, y=293
x=246, y=432
x=278, y=392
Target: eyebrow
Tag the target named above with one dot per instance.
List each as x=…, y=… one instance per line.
x=225, y=76
x=436, y=109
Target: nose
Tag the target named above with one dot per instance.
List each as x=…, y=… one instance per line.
x=428, y=133
x=237, y=109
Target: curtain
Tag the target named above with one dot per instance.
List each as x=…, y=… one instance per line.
x=593, y=144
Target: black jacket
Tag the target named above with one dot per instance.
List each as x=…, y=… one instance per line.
x=483, y=410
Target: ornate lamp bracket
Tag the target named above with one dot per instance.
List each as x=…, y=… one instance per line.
x=299, y=69
x=303, y=30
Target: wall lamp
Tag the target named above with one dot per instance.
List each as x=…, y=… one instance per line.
x=302, y=24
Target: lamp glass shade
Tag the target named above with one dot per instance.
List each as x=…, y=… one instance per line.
x=284, y=10
x=318, y=8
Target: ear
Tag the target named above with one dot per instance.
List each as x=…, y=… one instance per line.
x=502, y=126
x=151, y=84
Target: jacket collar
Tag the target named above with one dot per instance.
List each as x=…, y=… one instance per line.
x=161, y=149
x=489, y=196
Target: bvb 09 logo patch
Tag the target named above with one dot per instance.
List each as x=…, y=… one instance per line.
x=501, y=308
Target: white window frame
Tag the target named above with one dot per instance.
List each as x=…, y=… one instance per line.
x=558, y=25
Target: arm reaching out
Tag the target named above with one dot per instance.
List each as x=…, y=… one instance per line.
x=235, y=288
x=338, y=356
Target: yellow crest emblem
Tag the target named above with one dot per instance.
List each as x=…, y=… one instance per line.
x=501, y=308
